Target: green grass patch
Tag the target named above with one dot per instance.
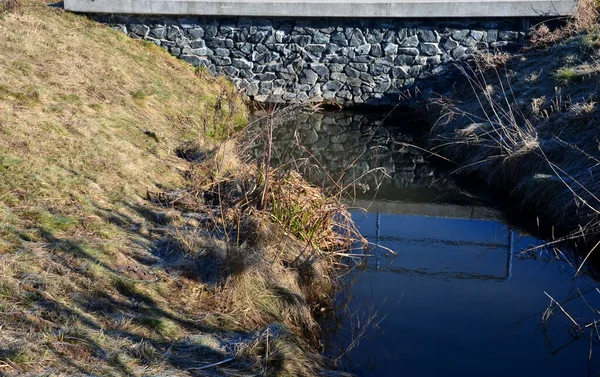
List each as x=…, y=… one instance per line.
x=9, y=162
x=71, y=98
x=17, y=354
x=591, y=40
x=55, y=223
x=141, y=94
x=127, y=287
x=8, y=290
x=159, y=325
x=566, y=75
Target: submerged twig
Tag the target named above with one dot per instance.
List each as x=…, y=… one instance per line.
x=564, y=311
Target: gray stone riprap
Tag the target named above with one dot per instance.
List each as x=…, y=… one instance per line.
x=311, y=60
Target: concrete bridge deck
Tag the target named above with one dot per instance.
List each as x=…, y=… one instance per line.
x=331, y=8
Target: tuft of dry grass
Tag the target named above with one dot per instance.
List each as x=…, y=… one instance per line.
x=492, y=60
x=585, y=20
x=272, y=257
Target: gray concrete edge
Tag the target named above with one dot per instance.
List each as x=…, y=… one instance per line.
x=330, y=8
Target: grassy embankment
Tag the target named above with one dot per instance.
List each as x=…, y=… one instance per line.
x=528, y=124
x=130, y=244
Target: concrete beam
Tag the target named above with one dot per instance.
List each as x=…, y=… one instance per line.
x=331, y=8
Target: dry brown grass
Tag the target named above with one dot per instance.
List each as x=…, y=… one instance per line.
x=584, y=20
x=72, y=117
x=492, y=60
x=89, y=121
x=10, y=6
x=273, y=257
x=95, y=279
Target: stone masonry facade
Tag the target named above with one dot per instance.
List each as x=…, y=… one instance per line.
x=368, y=62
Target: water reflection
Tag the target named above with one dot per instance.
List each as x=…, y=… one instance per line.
x=455, y=299
x=459, y=249
x=358, y=150
x=457, y=302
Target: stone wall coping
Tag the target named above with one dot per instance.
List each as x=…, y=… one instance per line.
x=331, y=8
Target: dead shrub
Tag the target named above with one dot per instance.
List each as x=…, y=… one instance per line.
x=584, y=20
x=492, y=60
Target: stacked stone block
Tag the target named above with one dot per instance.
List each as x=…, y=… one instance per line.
x=313, y=60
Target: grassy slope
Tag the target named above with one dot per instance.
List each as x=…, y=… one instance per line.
x=89, y=121
x=530, y=127
x=82, y=107
x=95, y=278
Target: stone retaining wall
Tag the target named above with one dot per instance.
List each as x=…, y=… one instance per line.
x=311, y=60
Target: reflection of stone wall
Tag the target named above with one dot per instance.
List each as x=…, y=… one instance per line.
x=349, y=144
x=313, y=59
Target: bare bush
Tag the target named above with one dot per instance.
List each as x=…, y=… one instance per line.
x=584, y=20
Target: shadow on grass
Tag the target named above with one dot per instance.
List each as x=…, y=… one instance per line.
x=95, y=310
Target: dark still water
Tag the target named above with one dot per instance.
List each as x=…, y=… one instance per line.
x=460, y=300
x=463, y=296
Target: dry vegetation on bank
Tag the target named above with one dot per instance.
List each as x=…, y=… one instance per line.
x=529, y=123
x=130, y=244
